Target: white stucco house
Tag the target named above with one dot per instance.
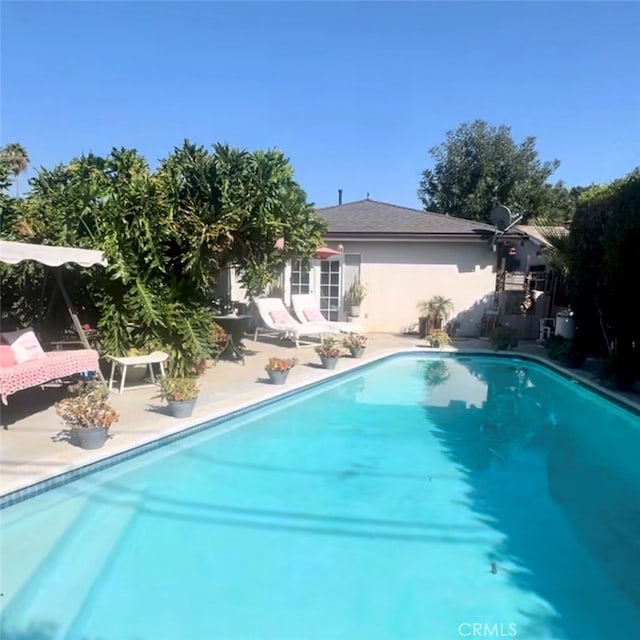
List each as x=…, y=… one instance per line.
x=403, y=256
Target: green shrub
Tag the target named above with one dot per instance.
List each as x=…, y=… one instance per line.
x=565, y=351
x=503, y=338
x=620, y=371
x=178, y=389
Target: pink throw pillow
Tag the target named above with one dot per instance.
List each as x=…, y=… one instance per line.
x=313, y=315
x=280, y=317
x=24, y=344
x=7, y=357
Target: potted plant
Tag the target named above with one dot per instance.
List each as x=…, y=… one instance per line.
x=356, y=343
x=181, y=395
x=503, y=338
x=88, y=414
x=354, y=297
x=329, y=353
x=278, y=369
x=438, y=338
x=434, y=312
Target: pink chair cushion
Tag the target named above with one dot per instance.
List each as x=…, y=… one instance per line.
x=24, y=344
x=280, y=317
x=313, y=315
x=7, y=357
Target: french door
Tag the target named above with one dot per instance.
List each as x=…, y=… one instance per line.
x=330, y=289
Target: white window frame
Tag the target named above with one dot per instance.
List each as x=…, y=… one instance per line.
x=288, y=273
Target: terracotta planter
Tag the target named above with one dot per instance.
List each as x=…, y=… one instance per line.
x=278, y=377
x=91, y=438
x=182, y=408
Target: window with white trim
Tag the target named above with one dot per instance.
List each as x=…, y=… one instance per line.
x=300, y=278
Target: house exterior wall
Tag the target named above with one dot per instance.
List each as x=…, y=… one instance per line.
x=399, y=275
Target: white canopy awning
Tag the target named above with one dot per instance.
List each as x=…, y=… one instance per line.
x=15, y=252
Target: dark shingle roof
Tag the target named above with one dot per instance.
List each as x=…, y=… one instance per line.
x=373, y=218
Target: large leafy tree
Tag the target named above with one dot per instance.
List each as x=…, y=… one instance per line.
x=479, y=166
x=167, y=235
x=231, y=206
x=6, y=204
x=598, y=259
x=605, y=271
x=18, y=160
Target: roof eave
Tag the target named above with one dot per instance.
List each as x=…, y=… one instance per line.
x=480, y=236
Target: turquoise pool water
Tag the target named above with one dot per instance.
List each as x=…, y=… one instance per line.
x=413, y=499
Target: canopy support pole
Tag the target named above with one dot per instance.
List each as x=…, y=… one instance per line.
x=74, y=317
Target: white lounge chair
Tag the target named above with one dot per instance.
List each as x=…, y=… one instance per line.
x=307, y=310
x=279, y=321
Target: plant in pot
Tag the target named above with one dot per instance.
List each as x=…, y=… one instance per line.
x=503, y=338
x=434, y=312
x=278, y=369
x=356, y=343
x=88, y=414
x=354, y=297
x=180, y=393
x=329, y=353
x=438, y=338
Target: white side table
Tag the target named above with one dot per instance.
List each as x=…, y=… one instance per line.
x=157, y=357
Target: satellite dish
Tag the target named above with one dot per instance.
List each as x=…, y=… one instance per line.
x=501, y=217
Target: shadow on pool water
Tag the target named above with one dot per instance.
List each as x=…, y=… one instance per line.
x=558, y=476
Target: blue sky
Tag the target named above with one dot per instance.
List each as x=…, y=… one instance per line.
x=354, y=93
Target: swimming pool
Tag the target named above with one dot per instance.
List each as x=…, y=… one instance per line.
x=414, y=498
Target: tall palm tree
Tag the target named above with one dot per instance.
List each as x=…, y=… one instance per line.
x=18, y=159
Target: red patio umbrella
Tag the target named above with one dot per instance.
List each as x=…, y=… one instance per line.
x=322, y=253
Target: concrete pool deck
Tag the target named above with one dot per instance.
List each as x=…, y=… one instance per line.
x=31, y=449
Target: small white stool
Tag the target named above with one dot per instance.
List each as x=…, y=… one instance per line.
x=157, y=357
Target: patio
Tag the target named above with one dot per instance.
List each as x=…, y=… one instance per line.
x=31, y=450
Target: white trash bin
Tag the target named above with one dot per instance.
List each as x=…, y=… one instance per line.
x=566, y=325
